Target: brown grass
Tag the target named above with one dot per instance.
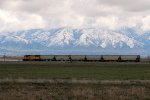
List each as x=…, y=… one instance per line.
x=67, y=91
x=112, y=93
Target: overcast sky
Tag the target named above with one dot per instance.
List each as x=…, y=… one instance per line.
x=106, y=14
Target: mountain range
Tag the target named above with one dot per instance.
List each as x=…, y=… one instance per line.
x=85, y=41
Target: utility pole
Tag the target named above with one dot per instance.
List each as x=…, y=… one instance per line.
x=4, y=57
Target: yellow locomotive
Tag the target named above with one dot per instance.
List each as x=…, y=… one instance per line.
x=32, y=58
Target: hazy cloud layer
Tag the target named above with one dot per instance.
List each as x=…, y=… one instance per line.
x=106, y=14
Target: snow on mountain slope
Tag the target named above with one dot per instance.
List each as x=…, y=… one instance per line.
x=12, y=38
x=105, y=38
x=62, y=37
x=39, y=39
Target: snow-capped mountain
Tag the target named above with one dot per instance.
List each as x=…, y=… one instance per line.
x=74, y=41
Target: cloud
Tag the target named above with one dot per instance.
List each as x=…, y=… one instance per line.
x=146, y=24
x=129, y=5
x=11, y=21
x=108, y=14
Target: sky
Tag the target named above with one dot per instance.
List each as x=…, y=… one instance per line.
x=106, y=14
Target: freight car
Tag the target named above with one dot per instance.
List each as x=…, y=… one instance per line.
x=47, y=58
x=78, y=58
x=84, y=58
x=111, y=58
x=130, y=58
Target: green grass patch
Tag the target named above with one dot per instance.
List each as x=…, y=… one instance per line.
x=77, y=70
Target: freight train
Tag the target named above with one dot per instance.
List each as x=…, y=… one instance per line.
x=83, y=58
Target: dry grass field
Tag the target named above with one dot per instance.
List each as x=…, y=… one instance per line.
x=74, y=81
x=64, y=91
